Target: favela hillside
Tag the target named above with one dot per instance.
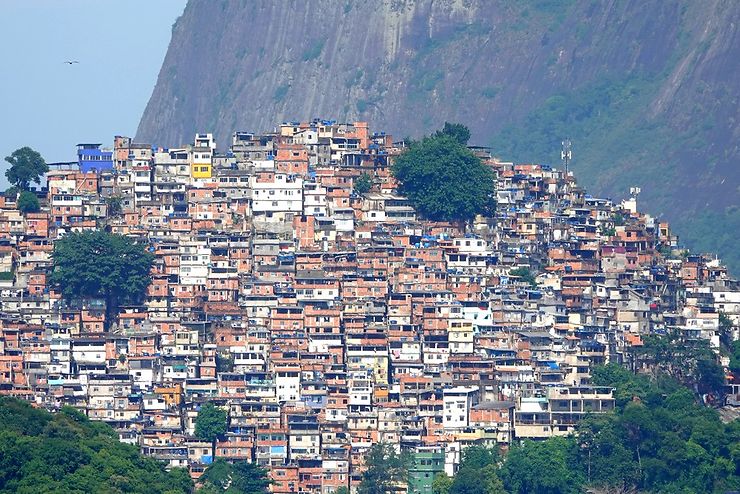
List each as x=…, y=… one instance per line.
x=326, y=308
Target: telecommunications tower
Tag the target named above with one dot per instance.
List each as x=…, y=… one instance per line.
x=566, y=154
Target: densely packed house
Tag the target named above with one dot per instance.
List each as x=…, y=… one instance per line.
x=326, y=320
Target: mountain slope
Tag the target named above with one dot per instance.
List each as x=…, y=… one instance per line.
x=647, y=90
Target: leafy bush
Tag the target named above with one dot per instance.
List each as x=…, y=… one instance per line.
x=525, y=275
x=234, y=478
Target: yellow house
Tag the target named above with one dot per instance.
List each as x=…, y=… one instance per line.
x=200, y=158
x=201, y=170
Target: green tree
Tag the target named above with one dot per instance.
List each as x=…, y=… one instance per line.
x=735, y=358
x=115, y=207
x=441, y=484
x=235, y=478
x=217, y=477
x=525, y=275
x=483, y=481
x=249, y=477
x=659, y=440
x=607, y=231
x=690, y=361
x=457, y=131
x=444, y=180
x=98, y=264
x=385, y=470
x=363, y=184
x=11, y=192
x=211, y=423
x=224, y=362
x=341, y=490
x=26, y=166
x=478, y=472
x=709, y=375
x=608, y=464
x=628, y=386
x=726, y=330
x=28, y=202
x=548, y=467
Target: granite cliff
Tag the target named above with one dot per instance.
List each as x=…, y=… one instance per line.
x=646, y=89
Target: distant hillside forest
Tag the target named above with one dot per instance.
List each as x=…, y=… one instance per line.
x=67, y=453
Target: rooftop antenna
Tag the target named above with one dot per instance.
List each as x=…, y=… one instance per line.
x=566, y=154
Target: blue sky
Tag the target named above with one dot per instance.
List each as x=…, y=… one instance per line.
x=51, y=106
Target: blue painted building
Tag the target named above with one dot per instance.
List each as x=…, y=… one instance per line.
x=90, y=156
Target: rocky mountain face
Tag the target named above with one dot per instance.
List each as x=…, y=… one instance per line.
x=647, y=90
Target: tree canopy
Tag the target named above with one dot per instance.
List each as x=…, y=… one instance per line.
x=457, y=131
x=234, y=478
x=66, y=452
x=115, y=206
x=477, y=473
x=211, y=422
x=690, y=361
x=441, y=483
x=525, y=275
x=28, y=202
x=11, y=192
x=363, y=183
x=443, y=179
x=735, y=358
x=26, y=166
x=98, y=264
x=386, y=469
x=545, y=467
x=657, y=440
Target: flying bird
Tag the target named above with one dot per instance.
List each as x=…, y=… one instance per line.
x=70, y=62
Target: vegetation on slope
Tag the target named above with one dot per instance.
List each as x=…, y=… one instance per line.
x=65, y=452
x=234, y=478
x=211, y=423
x=363, y=184
x=657, y=440
x=386, y=469
x=713, y=231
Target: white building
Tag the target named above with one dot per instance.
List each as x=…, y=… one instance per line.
x=194, y=260
x=457, y=402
